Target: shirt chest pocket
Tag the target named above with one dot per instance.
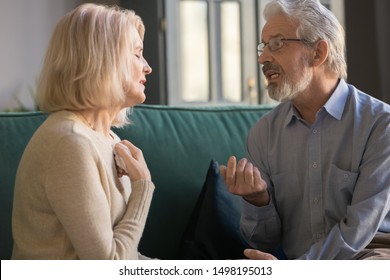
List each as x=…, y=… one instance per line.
x=339, y=191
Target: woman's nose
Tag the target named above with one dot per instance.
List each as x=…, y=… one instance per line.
x=147, y=68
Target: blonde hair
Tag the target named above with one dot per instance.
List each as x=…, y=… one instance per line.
x=88, y=61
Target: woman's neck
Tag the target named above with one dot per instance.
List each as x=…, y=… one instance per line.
x=98, y=120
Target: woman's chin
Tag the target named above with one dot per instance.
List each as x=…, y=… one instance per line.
x=135, y=100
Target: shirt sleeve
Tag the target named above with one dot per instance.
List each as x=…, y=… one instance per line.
x=261, y=226
x=82, y=203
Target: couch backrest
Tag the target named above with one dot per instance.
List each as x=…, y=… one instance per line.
x=16, y=130
x=178, y=144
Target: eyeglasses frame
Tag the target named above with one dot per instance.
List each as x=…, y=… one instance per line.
x=260, y=51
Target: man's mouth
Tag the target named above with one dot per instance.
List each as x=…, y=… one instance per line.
x=271, y=75
x=271, y=71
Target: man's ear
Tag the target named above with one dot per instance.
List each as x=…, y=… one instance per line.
x=321, y=50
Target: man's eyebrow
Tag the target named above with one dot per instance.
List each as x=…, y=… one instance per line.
x=273, y=36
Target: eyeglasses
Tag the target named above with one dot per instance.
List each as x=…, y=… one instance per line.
x=275, y=44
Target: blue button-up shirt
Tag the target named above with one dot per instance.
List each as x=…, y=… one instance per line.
x=329, y=181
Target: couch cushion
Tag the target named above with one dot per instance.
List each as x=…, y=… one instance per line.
x=213, y=232
x=178, y=145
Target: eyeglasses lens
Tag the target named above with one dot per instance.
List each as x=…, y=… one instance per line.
x=275, y=44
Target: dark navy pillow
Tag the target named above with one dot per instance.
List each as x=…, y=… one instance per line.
x=213, y=232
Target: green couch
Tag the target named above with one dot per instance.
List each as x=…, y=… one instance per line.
x=178, y=144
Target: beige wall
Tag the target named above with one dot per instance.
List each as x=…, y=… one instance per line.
x=25, y=29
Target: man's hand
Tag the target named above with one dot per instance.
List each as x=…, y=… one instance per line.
x=245, y=180
x=258, y=255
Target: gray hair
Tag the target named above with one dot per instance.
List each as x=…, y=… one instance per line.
x=316, y=22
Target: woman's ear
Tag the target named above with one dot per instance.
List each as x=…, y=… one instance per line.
x=321, y=50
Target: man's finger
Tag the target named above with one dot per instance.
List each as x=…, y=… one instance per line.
x=240, y=180
x=248, y=174
x=222, y=171
x=230, y=176
x=258, y=255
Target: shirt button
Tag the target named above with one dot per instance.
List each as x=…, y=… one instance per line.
x=315, y=131
x=315, y=200
x=315, y=165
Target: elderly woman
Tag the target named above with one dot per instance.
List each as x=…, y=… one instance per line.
x=81, y=192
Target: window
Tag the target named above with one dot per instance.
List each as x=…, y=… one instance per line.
x=194, y=51
x=211, y=51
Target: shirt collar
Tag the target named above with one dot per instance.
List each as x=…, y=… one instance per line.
x=291, y=114
x=334, y=106
x=336, y=103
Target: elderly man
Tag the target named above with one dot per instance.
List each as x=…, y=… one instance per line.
x=317, y=181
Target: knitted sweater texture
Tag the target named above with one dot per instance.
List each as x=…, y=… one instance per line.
x=69, y=202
